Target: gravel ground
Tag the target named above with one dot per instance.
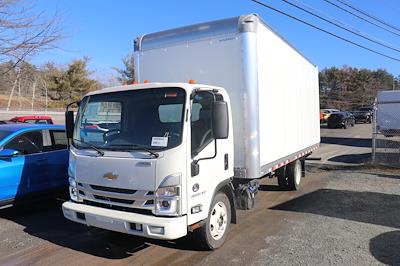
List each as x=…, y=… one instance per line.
x=353, y=220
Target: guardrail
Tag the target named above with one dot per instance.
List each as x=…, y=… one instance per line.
x=28, y=110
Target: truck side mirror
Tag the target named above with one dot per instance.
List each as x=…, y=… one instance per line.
x=69, y=123
x=220, y=120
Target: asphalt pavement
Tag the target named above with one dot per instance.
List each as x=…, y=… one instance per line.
x=344, y=147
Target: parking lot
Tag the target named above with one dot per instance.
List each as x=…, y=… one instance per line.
x=347, y=212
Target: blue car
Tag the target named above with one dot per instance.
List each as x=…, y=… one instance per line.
x=33, y=161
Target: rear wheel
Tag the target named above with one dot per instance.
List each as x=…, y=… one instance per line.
x=294, y=174
x=289, y=177
x=282, y=178
x=213, y=234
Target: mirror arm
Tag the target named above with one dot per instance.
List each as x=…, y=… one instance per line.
x=195, y=162
x=209, y=158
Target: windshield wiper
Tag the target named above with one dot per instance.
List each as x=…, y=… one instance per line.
x=137, y=147
x=100, y=152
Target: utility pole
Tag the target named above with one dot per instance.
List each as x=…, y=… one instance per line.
x=46, y=97
x=11, y=94
x=33, y=92
x=19, y=94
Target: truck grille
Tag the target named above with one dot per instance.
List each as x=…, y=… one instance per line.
x=113, y=189
x=125, y=201
x=117, y=198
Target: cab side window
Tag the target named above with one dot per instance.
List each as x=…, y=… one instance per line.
x=201, y=126
x=27, y=143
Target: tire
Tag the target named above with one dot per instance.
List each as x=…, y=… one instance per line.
x=293, y=173
x=289, y=177
x=213, y=233
x=283, y=182
x=345, y=125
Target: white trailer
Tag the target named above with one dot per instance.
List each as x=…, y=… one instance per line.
x=178, y=156
x=387, y=108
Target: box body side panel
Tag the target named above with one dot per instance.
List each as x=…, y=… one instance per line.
x=288, y=98
x=259, y=65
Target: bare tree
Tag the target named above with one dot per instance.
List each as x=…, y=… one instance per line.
x=24, y=32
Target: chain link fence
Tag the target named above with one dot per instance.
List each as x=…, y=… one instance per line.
x=386, y=134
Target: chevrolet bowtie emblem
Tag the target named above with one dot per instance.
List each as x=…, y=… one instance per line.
x=110, y=176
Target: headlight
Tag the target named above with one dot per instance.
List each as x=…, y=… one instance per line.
x=167, y=192
x=73, y=190
x=167, y=201
x=167, y=196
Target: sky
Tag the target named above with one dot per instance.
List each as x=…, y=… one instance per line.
x=105, y=30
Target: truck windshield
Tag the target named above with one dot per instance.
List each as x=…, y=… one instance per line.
x=127, y=120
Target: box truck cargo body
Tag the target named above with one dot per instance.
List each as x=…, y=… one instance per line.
x=218, y=106
x=273, y=88
x=388, y=112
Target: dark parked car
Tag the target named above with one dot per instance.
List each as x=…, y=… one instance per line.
x=341, y=120
x=33, y=162
x=368, y=109
x=362, y=116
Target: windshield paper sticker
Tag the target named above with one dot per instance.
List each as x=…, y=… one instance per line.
x=159, y=141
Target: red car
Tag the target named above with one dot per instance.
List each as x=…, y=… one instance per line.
x=33, y=119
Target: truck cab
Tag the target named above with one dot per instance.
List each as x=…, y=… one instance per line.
x=160, y=165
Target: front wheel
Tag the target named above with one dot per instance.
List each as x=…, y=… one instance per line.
x=213, y=234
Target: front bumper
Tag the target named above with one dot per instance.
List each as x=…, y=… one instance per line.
x=126, y=222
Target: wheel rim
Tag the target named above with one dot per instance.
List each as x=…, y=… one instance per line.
x=218, y=220
x=297, y=174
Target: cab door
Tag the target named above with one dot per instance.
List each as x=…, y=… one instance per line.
x=34, y=172
x=211, y=161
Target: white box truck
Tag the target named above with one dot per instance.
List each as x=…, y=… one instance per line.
x=163, y=158
x=387, y=108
